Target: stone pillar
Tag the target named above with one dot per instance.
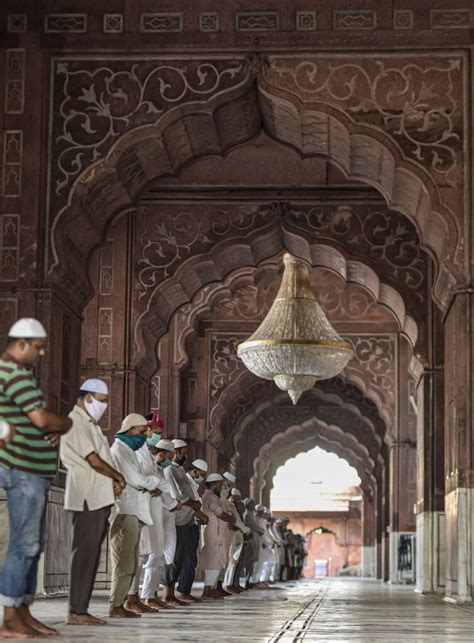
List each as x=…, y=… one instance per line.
x=430, y=516
x=402, y=466
x=459, y=445
x=369, y=539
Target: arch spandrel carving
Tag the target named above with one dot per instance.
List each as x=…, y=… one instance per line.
x=117, y=119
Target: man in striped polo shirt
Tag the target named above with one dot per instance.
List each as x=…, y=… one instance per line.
x=27, y=466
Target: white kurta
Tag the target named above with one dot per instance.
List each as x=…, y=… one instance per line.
x=152, y=539
x=135, y=499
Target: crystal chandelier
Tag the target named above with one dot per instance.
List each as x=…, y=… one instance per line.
x=295, y=345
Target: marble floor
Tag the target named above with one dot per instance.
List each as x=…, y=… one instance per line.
x=331, y=610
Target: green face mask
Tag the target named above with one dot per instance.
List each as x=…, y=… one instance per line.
x=153, y=441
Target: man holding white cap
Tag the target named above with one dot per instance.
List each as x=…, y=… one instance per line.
x=214, y=554
x=196, y=475
x=92, y=484
x=133, y=511
x=181, y=490
x=28, y=464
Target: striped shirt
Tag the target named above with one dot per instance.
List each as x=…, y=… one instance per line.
x=19, y=395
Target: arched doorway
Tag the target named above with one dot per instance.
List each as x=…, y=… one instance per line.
x=320, y=493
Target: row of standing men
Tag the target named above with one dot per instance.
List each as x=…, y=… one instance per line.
x=167, y=520
x=163, y=520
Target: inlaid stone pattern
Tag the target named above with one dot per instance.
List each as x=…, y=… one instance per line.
x=354, y=20
x=10, y=227
x=305, y=20
x=12, y=163
x=15, y=81
x=209, y=22
x=452, y=18
x=257, y=21
x=161, y=22
x=17, y=22
x=403, y=19
x=65, y=23
x=113, y=23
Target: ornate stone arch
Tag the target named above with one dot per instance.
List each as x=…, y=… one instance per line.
x=149, y=119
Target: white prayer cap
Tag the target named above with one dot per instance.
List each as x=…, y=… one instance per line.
x=164, y=445
x=200, y=464
x=214, y=477
x=95, y=386
x=230, y=477
x=132, y=420
x=27, y=328
x=179, y=444
x=259, y=508
x=235, y=492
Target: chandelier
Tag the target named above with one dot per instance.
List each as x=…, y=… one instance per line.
x=295, y=345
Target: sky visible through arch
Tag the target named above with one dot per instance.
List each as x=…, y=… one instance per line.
x=314, y=481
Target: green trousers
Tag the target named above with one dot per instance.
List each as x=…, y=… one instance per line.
x=124, y=543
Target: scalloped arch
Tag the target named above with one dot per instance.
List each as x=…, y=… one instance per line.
x=193, y=131
x=310, y=433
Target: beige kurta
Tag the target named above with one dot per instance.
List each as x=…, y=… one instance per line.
x=215, y=551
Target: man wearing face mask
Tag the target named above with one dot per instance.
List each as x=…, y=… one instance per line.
x=181, y=490
x=133, y=511
x=92, y=484
x=152, y=536
x=196, y=475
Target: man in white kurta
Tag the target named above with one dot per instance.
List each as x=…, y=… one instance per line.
x=236, y=541
x=152, y=538
x=133, y=511
x=266, y=553
x=214, y=554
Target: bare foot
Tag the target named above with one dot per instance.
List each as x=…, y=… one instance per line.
x=152, y=603
x=16, y=629
x=138, y=607
x=161, y=603
x=184, y=599
x=209, y=594
x=189, y=598
x=173, y=602
x=84, y=619
x=121, y=612
x=30, y=621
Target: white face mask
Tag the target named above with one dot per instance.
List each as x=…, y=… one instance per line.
x=199, y=480
x=95, y=409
